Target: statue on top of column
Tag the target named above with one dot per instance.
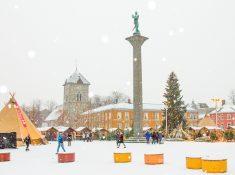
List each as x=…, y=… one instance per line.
x=136, y=23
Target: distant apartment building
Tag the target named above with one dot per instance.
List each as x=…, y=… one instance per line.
x=121, y=116
x=225, y=116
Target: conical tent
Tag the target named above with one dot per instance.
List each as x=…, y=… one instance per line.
x=13, y=119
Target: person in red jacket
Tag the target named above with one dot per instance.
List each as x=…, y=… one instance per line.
x=121, y=140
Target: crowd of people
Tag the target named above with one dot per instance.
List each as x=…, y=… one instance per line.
x=87, y=136
x=155, y=137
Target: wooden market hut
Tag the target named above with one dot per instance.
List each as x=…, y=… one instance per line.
x=80, y=131
x=50, y=133
x=100, y=133
x=67, y=130
x=193, y=131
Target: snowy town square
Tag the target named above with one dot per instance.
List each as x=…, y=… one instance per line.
x=97, y=158
x=117, y=87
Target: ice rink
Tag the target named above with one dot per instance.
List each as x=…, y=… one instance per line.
x=97, y=158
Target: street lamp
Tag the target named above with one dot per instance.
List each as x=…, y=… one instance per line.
x=166, y=122
x=216, y=100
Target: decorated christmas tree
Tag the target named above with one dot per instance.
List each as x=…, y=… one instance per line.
x=174, y=105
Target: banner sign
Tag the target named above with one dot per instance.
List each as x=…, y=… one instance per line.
x=20, y=115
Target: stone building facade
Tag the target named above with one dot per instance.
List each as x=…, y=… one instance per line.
x=76, y=95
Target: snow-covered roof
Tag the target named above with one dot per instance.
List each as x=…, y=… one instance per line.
x=233, y=127
x=212, y=127
x=128, y=129
x=201, y=115
x=61, y=128
x=124, y=106
x=225, y=109
x=146, y=128
x=112, y=129
x=196, y=128
x=55, y=114
x=80, y=128
x=42, y=129
x=77, y=77
x=189, y=108
x=96, y=129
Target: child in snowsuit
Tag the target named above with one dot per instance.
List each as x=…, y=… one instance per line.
x=69, y=139
x=27, y=141
x=60, y=143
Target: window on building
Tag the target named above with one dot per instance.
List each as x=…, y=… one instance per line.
x=146, y=116
x=110, y=116
x=119, y=125
x=119, y=115
x=127, y=115
x=156, y=116
x=229, y=117
x=193, y=116
x=79, y=97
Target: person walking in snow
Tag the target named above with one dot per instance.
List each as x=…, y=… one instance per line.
x=121, y=140
x=117, y=138
x=147, y=136
x=69, y=139
x=90, y=136
x=60, y=143
x=27, y=141
x=83, y=136
x=154, y=137
x=160, y=138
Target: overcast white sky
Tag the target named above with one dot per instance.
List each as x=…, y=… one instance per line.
x=40, y=41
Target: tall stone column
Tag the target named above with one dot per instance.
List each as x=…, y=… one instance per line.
x=136, y=41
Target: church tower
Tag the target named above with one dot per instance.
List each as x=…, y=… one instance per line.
x=76, y=98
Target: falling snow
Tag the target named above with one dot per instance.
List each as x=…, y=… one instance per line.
x=171, y=33
x=3, y=89
x=152, y=5
x=181, y=29
x=104, y=39
x=31, y=54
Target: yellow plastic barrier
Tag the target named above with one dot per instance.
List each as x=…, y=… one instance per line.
x=193, y=162
x=153, y=159
x=122, y=157
x=214, y=166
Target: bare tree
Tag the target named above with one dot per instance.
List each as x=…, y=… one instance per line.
x=50, y=105
x=119, y=97
x=232, y=96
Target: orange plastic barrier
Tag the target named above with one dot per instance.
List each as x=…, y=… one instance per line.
x=214, y=166
x=66, y=157
x=153, y=159
x=4, y=157
x=193, y=162
x=122, y=157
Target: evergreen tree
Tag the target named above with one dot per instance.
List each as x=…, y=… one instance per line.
x=174, y=104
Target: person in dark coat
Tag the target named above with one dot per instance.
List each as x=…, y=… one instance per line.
x=90, y=136
x=117, y=138
x=27, y=141
x=154, y=137
x=121, y=140
x=159, y=137
x=69, y=139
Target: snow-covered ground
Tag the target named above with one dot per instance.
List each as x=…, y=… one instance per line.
x=97, y=158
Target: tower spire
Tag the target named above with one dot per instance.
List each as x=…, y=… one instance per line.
x=76, y=65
